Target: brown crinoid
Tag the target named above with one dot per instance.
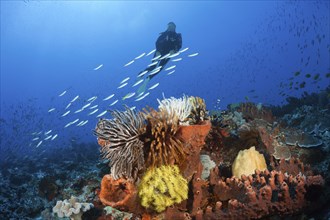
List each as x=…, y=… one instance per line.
x=198, y=110
x=120, y=142
x=162, y=146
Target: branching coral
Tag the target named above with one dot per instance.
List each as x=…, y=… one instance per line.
x=162, y=187
x=198, y=110
x=163, y=147
x=181, y=107
x=121, y=144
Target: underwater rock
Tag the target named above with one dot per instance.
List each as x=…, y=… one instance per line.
x=48, y=187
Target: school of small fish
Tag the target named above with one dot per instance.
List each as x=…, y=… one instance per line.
x=48, y=135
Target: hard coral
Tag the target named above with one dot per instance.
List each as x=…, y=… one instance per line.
x=163, y=147
x=120, y=142
x=162, y=187
x=71, y=208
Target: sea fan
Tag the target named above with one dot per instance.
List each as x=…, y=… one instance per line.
x=163, y=147
x=122, y=144
x=180, y=107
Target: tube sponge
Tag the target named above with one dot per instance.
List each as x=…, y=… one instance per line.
x=247, y=161
x=162, y=187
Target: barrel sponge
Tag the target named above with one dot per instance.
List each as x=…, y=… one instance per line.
x=247, y=161
x=71, y=208
x=162, y=187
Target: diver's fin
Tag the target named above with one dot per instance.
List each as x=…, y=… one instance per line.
x=143, y=87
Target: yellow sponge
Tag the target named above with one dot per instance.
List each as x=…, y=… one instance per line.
x=247, y=161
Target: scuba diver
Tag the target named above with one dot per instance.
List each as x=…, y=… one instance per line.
x=169, y=42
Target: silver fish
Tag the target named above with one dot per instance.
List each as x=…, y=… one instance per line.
x=139, y=94
x=75, y=98
x=101, y=114
x=129, y=63
x=176, y=60
x=122, y=85
x=62, y=94
x=85, y=106
x=183, y=50
x=67, y=125
x=79, y=123
x=165, y=56
x=48, y=137
x=66, y=113
x=156, y=58
x=193, y=55
x=151, y=52
x=52, y=109
x=91, y=98
x=154, y=71
x=94, y=106
x=124, y=80
x=171, y=67
x=35, y=139
x=79, y=110
x=142, y=97
x=174, y=55
x=68, y=105
x=75, y=121
x=154, y=86
x=129, y=95
x=134, y=107
x=109, y=97
x=141, y=74
x=138, y=57
x=138, y=82
x=98, y=67
x=85, y=122
x=55, y=136
x=154, y=63
x=114, y=102
x=171, y=72
x=48, y=132
x=40, y=142
x=93, y=112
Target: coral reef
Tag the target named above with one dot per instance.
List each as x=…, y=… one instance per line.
x=190, y=175
x=162, y=187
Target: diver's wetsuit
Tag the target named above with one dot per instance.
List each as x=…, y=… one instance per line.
x=167, y=41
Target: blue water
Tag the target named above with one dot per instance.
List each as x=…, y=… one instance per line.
x=248, y=51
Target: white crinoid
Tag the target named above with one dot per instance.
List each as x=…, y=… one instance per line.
x=180, y=107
